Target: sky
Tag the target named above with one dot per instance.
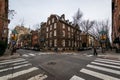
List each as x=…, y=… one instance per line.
x=36, y=11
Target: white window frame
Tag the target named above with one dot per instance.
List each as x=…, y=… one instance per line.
x=46, y=35
x=55, y=42
x=47, y=29
x=63, y=33
x=55, y=25
x=53, y=20
x=63, y=26
x=49, y=22
x=55, y=33
x=68, y=28
x=63, y=43
x=50, y=34
x=50, y=27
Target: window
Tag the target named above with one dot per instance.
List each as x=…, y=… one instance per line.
x=46, y=43
x=54, y=32
x=49, y=22
x=46, y=35
x=55, y=26
x=80, y=37
x=52, y=20
x=72, y=43
x=68, y=28
x=68, y=34
x=63, y=33
x=69, y=43
x=63, y=26
x=77, y=37
x=72, y=35
x=63, y=43
x=72, y=30
x=50, y=43
x=50, y=27
x=50, y=34
x=47, y=29
x=55, y=42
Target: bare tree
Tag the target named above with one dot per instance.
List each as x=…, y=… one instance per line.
x=86, y=25
x=36, y=26
x=11, y=14
x=77, y=17
x=101, y=26
x=22, y=22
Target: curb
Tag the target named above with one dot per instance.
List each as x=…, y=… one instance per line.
x=5, y=57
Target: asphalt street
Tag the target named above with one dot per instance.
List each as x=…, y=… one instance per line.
x=35, y=65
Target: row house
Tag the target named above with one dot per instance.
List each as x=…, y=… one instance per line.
x=22, y=36
x=61, y=34
x=34, y=38
x=88, y=40
x=4, y=20
x=116, y=23
x=42, y=35
x=115, y=19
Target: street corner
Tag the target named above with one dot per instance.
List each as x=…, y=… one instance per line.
x=112, y=57
x=5, y=57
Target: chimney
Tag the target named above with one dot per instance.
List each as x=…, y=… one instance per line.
x=63, y=16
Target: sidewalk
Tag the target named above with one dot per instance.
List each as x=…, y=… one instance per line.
x=8, y=56
x=109, y=54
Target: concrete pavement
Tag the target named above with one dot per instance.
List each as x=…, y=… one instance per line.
x=8, y=56
x=108, y=54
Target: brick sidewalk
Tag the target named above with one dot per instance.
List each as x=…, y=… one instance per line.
x=8, y=56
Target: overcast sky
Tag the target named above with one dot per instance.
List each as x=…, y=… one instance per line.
x=37, y=11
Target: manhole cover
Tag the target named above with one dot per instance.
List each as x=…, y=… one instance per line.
x=51, y=63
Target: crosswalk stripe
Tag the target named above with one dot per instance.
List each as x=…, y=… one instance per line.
x=12, y=61
x=32, y=54
x=2, y=66
x=76, y=78
x=25, y=55
x=9, y=76
x=98, y=75
x=104, y=69
x=108, y=60
x=38, y=77
x=15, y=67
x=20, y=63
x=107, y=65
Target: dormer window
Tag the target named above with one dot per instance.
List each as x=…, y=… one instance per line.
x=49, y=22
x=53, y=20
x=55, y=25
x=63, y=26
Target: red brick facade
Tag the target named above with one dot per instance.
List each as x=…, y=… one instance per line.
x=34, y=38
x=4, y=19
x=61, y=34
x=115, y=19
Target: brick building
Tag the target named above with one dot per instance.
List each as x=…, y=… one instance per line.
x=116, y=22
x=22, y=35
x=34, y=39
x=60, y=33
x=4, y=20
